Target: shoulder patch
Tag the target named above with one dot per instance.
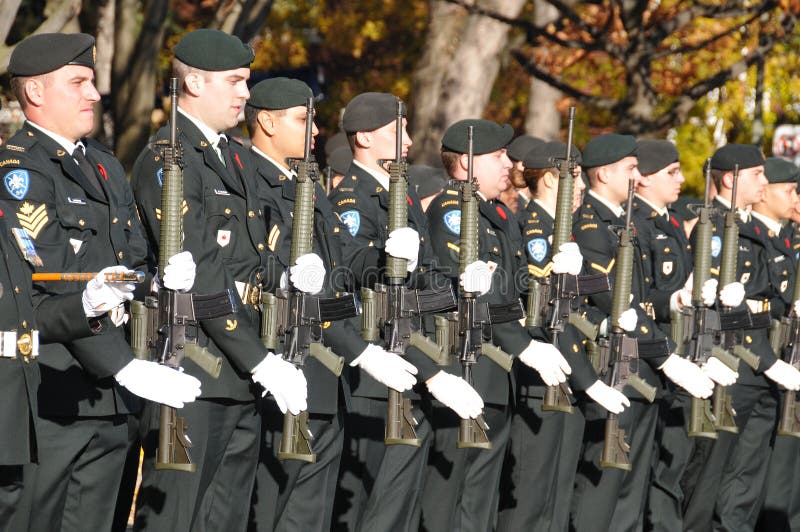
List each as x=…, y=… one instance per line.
x=6, y=162
x=12, y=147
x=537, y=248
x=17, y=183
x=584, y=227
x=352, y=219
x=449, y=203
x=346, y=201
x=452, y=220
x=716, y=246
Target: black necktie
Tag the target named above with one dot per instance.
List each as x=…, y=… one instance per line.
x=225, y=149
x=87, y=168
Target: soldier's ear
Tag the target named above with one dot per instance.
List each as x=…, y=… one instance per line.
x=463, y=161
x=34, y=91
x=363, y=139
x=193, y=83
x=727, y=180
x=266, y=122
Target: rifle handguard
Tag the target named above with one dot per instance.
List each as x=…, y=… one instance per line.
x=726, y=357
x=641, y=386
x=585, y=327
x=747, y=356
x=327, y=357
x=498, y=356
x=201, y=356
x=431, y=349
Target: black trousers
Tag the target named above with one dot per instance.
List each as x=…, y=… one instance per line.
x=462, y=486
x=293, y=495
x=216, y=497
x=539, y=469
x=10, y=494
x=74, y=485
x=730, y=488
x=781, y=510
x=379, y=486
x=609, y=498
x=673, y=448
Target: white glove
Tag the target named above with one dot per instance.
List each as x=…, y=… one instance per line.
x=308, y=273
x=796, y=307
x=568, y=259
x=158, y=383
x=387, y=368
x=547, y=360
x=785, y=375
x=284, y=381
x=732, y=294
x=628, y=320
x=100, y=295
x=477, y=277
x=180, y=272
x=709, y=292
x=456, y=394
x=607, y=397
x=403, y=243
x=719, y=372
x=688, y=376
x=679, y=299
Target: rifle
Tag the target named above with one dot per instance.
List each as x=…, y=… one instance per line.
x=176, y=312
x=622, y=350
x=392, y=307
x=695, y=328
x=131, y=276
x=552, y=300
x=297, y=317
x=786, y=340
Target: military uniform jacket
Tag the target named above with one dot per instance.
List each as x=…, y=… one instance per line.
x=74, y=228
x=781, y=268
x=362, y=205
x=537, y=240
x=669, y=256
x=598, y=246
x=499, y=242
x=753, y=271
x=276, y=194
x=224, y=229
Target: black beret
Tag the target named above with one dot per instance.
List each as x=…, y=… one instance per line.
x=521, y=145
x=369, y=111
x=336, y=141
x=780, y=170
x=608, y=149
x=279, y=93
x=655, y=155
x=547, y=155
x=487, y=136
x=745, y=155
x=681, y=206
x=427, y=180
x=339, y=160
x=213, y=51
x=46, y=52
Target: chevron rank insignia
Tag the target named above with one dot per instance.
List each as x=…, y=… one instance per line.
x=184, y=210
x=31, y=218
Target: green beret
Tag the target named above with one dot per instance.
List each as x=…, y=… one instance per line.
x=487, y=136
x=279, y=93
x=745, y=155
x=427, y=180
x=780, y=170
x=213, y=51
x=370, y=111
x=608, y=149
x=655, y=155
x=46, y=52
x=521, y=145
x=339, y=160
x=547, y=155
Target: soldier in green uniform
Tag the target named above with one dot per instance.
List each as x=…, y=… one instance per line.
x=72, y=199
x=293, y=495
x=729, y=490
x=223, y=227
x=380, y=486
x=610, y=495
x=661, y=236
x=517, y=197
x=533, y=430
x=771, y=215
x=462, y=485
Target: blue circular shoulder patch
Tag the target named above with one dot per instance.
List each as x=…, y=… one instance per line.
x=537, y=249
x=352, y=219
x=17, y=183
x=452, y=219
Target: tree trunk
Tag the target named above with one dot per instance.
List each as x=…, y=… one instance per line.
x=457, y=71
x=134, y=74
x=543, y=119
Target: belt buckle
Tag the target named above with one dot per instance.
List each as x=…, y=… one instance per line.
x=25, y=344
